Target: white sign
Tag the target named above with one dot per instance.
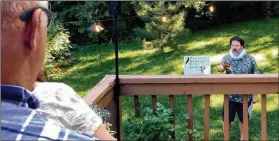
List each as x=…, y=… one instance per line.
x=197, y=65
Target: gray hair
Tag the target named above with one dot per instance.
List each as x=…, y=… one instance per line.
x=12, y=9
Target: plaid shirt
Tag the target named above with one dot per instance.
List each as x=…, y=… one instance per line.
x=20, y=120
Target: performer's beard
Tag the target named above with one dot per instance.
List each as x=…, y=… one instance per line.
x=236, y=53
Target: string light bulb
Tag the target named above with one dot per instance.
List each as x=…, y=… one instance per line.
x=97, y=27
x=164, y=18
x=211, y=8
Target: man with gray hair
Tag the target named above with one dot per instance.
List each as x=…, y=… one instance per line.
x=23, y=46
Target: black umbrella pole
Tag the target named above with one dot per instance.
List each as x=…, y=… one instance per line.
x=117, y=87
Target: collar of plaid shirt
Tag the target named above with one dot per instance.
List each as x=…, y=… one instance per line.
x=19, y=95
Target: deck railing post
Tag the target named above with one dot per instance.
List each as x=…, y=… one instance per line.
x=190, y=113
x=263, y=117
x=206, y=116
x=245, y=128
x=226, y=128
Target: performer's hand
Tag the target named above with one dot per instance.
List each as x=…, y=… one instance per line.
x=226, y=65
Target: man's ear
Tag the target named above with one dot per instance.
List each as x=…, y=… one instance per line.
x=32, y=29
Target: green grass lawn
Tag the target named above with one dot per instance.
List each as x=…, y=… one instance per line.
x=261, y=39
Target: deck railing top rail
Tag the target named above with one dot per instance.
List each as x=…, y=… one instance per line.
x=198, y=84
x=210, y=78
x=107, y=83
x=100, y=90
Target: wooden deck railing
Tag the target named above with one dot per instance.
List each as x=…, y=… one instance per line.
x=138, y=85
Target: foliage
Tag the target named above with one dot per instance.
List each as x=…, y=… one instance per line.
x=105, y=115
x=270, y=8
x=150, y=126
x=58, y=45
x=275, y=8
x=142, y=34
x=164, y=30
x=147, y=45
x=79, y=15
x=230, y=12
x=266, y=9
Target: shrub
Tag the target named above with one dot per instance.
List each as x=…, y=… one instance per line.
x=105, y=115
x=149, y=126
x=58, y=45
x=147, y=45
x=153, y=127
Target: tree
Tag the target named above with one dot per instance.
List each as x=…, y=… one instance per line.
x=164, y=20
x=77, y=16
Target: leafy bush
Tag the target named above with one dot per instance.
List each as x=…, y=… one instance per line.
x=149, y=126
x=105, y=115
x=58, y=45
x=153, y=126
x=147, y=45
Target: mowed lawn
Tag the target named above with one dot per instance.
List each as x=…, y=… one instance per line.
x=262, y=40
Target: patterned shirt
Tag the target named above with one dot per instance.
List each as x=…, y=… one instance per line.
x=20, y=120
x=62, y=105
x=245, y=65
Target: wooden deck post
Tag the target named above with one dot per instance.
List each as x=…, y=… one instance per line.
x=206, y=116
x=263, y=117
x=245, y=128
x=172, y=101
x=226, y=118
x=190, y=113
x=137, y=105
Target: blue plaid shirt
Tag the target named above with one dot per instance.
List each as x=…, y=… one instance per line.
x=20, y=120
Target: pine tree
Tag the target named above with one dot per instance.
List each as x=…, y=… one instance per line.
x=164, y=20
